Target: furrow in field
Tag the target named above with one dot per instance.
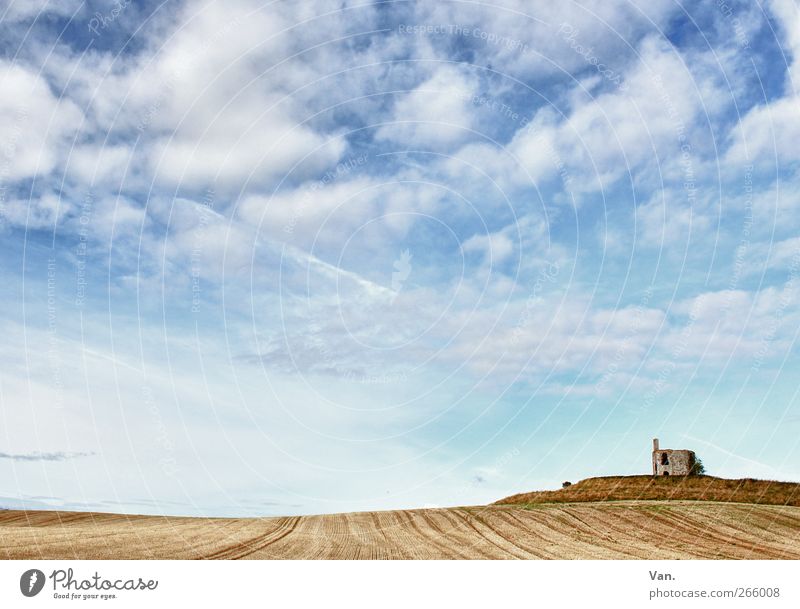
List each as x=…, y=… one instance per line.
x=556, y=539
x=254, y=544
x=496, y=545
x=727, y=539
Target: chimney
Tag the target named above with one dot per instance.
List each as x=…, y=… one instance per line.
x=655, y=444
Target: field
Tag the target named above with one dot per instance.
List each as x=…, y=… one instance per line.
x=531, y=528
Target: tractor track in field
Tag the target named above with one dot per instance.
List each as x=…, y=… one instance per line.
x=255, y=544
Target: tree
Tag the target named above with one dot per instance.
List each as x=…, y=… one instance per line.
x=697, y=468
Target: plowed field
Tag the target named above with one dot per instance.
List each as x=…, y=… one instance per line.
x=620, y=529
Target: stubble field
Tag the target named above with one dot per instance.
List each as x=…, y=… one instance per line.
x=619, y=529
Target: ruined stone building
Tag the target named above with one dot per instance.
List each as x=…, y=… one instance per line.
x=672, y=462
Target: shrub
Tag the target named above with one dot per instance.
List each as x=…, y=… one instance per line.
x=566, y=484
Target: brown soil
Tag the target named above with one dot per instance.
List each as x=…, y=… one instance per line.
x=625, y=529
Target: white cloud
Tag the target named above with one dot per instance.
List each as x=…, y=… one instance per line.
x=44, y=212
x=313, y=211
x=92, y=165
x=667, y=222
x=223, y=110
x=437, y=114
x=769, y=132
x=784, y=254
x=528, y=339
x=514, y=39
x=24, y=10
x=527, y=234
x=215, y=100
x=241, y=147
x=36, y=124
x=496, y=247
x=740, y=324
x=617, y=132
x=788, y=15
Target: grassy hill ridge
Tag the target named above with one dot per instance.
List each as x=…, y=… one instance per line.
x=665, y=488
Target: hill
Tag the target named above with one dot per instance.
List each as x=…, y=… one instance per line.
x=605, y=530
x=666, y=488
x=615, y=517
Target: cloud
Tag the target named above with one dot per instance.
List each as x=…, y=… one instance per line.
x=769, y=132
x=25, y=10
x=735, y=324
x=527, y=234
x=44, y=212
x=36, y=124
x=548, y=336
x=496, y=247
x=789, y=24
x=313, y=211
x=615, y=133
x=94, y=165
x=45, y=456
x=437, y=114
x=668, y=222
x=240, y=145
x=514, y=39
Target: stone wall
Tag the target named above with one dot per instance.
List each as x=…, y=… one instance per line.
x=672, y=462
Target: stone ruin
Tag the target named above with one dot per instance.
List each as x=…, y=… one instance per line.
x=672, y=462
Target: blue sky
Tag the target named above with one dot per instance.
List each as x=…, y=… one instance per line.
x=299, y=257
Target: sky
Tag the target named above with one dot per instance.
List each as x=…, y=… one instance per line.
x=276, y=257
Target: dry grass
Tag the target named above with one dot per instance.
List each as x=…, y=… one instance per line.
x=688, y=488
